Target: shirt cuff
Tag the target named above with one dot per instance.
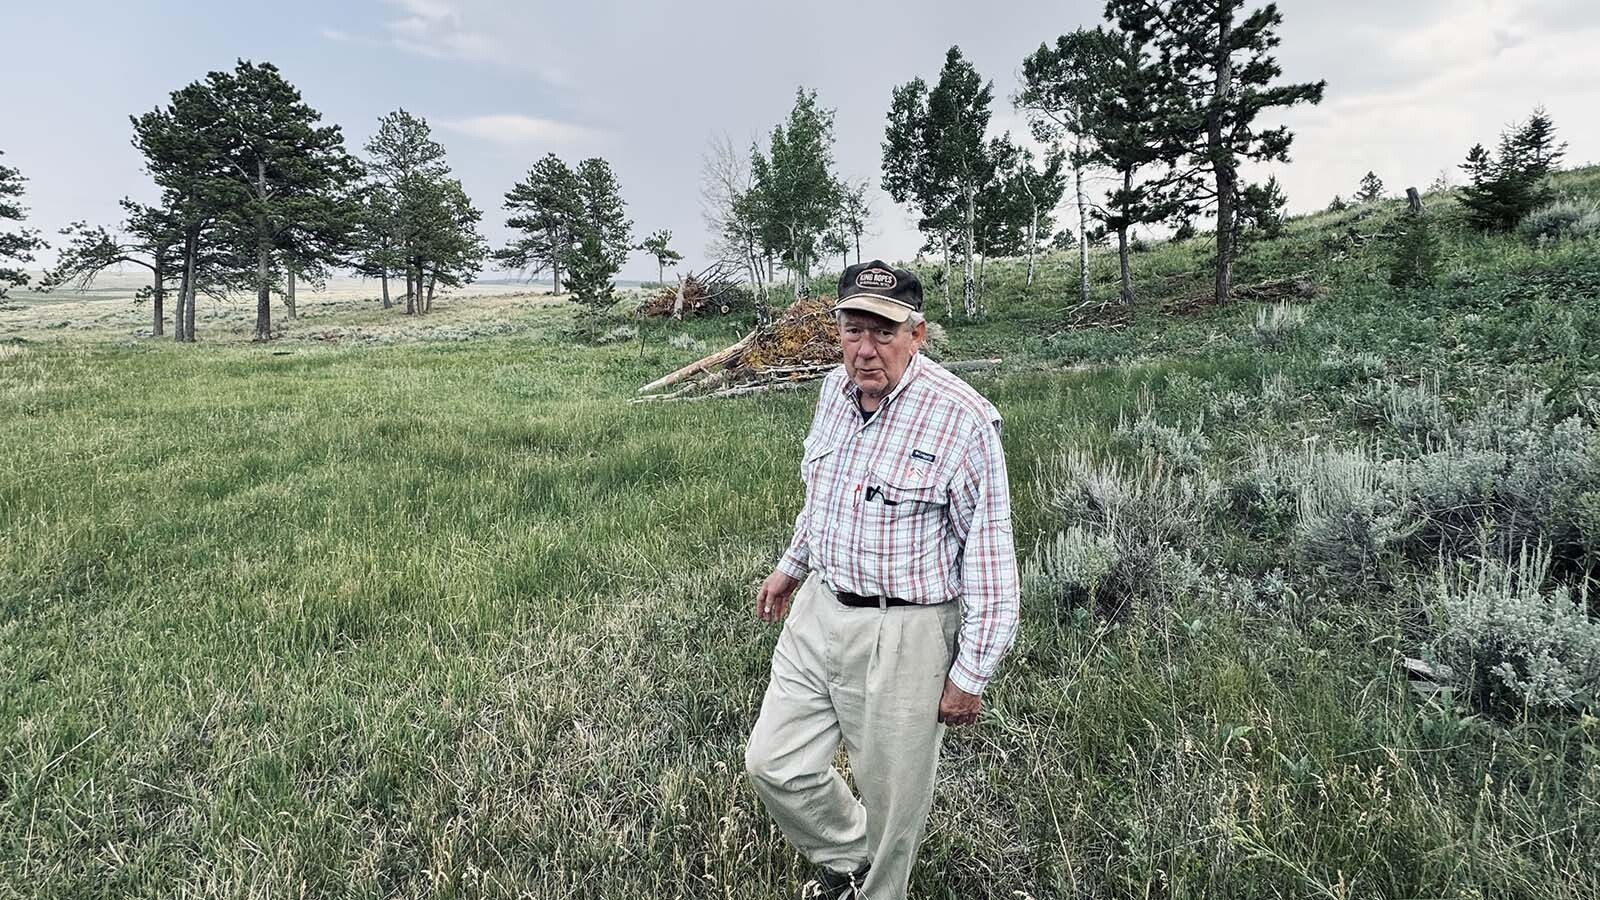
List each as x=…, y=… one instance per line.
x=964, y=678
x=792, y=567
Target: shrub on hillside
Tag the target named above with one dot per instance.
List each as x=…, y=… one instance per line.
x=1510, y=643
x=1563, y=220
x=1273, y=326
x=1416, y=412
x=1345, y=523
x=1184, y=448
x=1415, y=260
x=1128, y=534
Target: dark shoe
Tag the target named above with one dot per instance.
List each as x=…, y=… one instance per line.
x=840, y=885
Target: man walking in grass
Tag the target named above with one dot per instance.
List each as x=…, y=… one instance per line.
x=910, y=601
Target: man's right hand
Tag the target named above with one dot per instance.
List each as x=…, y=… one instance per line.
x=772, y=600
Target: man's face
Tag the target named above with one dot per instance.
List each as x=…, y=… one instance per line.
x=877, y=351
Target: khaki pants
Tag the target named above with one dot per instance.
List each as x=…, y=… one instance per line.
x=873, y=678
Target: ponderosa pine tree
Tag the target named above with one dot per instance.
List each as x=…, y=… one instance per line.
x=292, y=180
x=603, y=233
x=1371, y=188
x=184, y=149
x=1218, y=55
x=1133, y=126
x=603, y=211
x=659, y=245
x=544, y=207
x=19, y=245
x=417, y=218
x=151, y=239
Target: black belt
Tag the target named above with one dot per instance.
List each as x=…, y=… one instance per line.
x=849, y=599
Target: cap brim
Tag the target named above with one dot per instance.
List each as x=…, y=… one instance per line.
x=893, y=310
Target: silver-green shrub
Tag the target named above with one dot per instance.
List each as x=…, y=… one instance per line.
x=1509, y=642
x=1128, y=533
x=1345, y=521
x=1274, y=325
x=1562, y=220
x=1183, y=447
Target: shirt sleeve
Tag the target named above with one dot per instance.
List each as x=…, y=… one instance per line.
x=796, y=560
x=981, y=506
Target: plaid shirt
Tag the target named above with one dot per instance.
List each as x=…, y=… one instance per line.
x=914, y=504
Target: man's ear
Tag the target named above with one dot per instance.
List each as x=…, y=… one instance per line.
x=919, y=332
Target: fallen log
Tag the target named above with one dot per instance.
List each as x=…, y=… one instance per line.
x=700, y=365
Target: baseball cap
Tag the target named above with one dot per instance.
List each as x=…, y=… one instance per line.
x=880, y=289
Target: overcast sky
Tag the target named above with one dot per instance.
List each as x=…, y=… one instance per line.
x=1411, y=85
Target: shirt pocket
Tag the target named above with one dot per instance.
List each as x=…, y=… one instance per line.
x=906, y=518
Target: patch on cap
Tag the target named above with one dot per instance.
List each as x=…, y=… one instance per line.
x=876, y=279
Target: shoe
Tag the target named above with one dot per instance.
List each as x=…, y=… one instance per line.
x=841, y=885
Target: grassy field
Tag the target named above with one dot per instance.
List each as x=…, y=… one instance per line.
x=446, y=617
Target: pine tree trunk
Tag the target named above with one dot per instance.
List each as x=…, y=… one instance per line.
x=969, y=295
x=432, y=279
x=194, y=288
x=411, y=294
x=1222, y=159
x=263, y=260
x=1083, y=230
x=1122, y=240
x=555, y=268
x=263, y=291
x=158, y=294
x=184, y=281
x=384, y=278
x=288, y=297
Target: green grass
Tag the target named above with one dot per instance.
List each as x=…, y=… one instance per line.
x=456, y=620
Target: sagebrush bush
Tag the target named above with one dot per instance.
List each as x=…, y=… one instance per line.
x=1345, y=522
x=618, y=335
x=689, y=342
x=1509, y=642
x=1563, y=220
x=1185, y=448
x=1415, y=412
x=1273, y=326
x=1511, y=470
x=1141, y=525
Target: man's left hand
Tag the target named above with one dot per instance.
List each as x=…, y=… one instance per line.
x=957, y=707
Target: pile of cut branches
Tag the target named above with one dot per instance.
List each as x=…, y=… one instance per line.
x=798, y=347
x=712, y=291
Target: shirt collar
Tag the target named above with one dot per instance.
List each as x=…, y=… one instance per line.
x=853, y=392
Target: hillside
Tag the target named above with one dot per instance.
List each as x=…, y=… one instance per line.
x=449, y=617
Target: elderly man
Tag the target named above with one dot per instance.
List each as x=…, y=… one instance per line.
x=910, y=603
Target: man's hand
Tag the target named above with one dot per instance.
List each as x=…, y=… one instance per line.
x=957, y=707
x=772, y=600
